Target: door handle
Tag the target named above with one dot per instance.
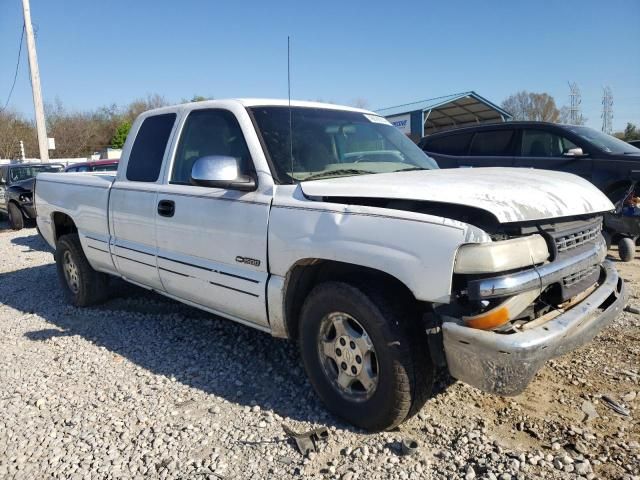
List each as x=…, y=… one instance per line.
x=166, y=208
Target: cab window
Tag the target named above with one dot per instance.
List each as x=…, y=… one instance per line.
x=145, y=160
x=206, y=133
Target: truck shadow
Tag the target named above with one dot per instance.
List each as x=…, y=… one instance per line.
x=167, y=338
x=32, y=242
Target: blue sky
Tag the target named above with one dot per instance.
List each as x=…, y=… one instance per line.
x=94, y=53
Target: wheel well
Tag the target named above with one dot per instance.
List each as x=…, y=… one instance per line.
x=63, y=225
x=306, y=274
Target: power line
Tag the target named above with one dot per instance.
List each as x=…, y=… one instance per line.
x=15, y=75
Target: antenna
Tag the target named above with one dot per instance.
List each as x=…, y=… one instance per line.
x=289, y=96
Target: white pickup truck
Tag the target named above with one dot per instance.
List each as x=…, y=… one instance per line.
x=326, y=225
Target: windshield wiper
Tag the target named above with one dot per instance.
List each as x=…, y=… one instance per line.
x=343, y=171
x=412, y=169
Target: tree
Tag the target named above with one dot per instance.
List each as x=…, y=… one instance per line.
x=565, y=117
x=631, y=132
x=197, y=98
x=525, y=105
x=140, y=105
x=13, y=129
x=360, y=103
x=78, y=133
x=117, y=141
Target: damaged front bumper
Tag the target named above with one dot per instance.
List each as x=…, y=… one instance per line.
x=504, y=364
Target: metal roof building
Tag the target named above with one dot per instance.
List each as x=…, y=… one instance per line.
x=427, y=116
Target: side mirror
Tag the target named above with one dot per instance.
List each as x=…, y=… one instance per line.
x=218, y=171
x=574, y=152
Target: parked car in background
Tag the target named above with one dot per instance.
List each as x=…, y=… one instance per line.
x=604, y=160
x=341, y=234
x=16, y=190
x=96, y=166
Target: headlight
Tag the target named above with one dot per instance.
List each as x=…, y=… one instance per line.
x=25, y=197
x=501, y=256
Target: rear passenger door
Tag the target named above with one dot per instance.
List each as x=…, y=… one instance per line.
x=490, y=148
x=212, y=244
x=132, y=204
x=546, y=150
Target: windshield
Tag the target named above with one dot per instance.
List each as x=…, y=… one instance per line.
x=24, y=172
x=606, y=142
x=333, y=143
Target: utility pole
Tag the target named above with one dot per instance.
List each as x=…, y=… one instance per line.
x=35, y=84
x=575, y=117
x=607, y=110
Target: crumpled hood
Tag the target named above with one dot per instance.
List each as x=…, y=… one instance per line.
x=510, y=194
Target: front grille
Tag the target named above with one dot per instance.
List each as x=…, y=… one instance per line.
x=577, y=277
x=577, y=238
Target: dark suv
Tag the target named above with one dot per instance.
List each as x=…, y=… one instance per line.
x=600, y=158
x=16, y=190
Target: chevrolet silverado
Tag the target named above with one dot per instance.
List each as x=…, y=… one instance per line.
x=326, y=225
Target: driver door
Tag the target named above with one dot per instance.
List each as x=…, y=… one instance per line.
x=212, y=242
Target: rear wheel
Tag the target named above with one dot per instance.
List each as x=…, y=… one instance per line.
x=81, y=284
x=16, y=219
x=627, y=249
x=367, y=361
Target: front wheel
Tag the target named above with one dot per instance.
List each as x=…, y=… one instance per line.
x=365, y=357
x=16, y=220
x=81, y=284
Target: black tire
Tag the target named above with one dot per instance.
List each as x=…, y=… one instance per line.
x=89, y=287
x=404, y=369
x=16, y=219
x=607, y=239
x=627, y=249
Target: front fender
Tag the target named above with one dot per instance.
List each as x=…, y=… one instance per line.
x=417, y=249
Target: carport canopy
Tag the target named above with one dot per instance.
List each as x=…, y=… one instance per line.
x=459, y=109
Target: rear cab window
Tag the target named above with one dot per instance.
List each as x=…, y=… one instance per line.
x=494, y=143
x=145, y=159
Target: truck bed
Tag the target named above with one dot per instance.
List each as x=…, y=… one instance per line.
x=85, y=198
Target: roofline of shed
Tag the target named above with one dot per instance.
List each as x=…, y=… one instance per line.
x=445, y=99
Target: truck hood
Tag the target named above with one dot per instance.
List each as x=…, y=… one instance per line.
x=510, y=194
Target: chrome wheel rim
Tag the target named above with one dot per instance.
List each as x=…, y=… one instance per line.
x=71, y=273
x=347, y=356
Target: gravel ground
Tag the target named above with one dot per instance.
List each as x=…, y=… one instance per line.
x=145, y=387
